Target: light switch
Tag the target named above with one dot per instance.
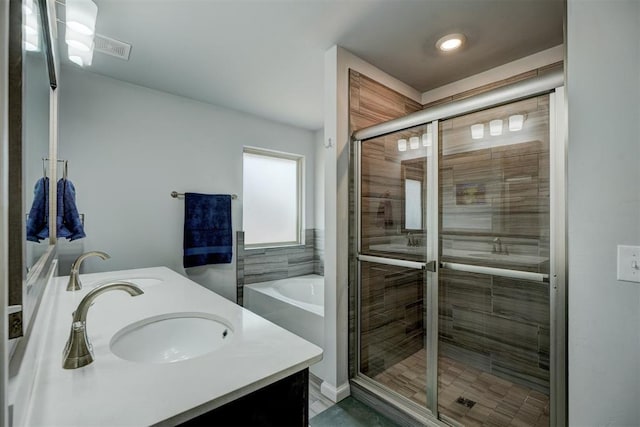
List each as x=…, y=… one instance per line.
x=629, y=263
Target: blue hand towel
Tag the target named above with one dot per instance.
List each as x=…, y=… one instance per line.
x=68, y=220
x=39, y=213
x=207, y=229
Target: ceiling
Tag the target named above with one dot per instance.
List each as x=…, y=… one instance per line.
x=266, y=57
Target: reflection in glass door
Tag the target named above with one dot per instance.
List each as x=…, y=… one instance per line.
x=392, y=254
x=455, y=255
x=494, y=307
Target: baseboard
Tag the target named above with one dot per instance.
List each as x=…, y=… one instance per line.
x=335, y=394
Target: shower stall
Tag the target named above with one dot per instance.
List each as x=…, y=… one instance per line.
x=458, y=260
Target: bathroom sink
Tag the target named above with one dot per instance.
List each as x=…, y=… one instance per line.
x=171, y=338
x=482, y=255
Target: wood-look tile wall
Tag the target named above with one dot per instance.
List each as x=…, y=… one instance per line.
x=266, y=264
x=392, y=307
x=493, y=323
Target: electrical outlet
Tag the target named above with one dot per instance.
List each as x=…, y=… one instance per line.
x=629, y=263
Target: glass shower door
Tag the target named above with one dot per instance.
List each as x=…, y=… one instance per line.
x=494, y=296
x=394, y=172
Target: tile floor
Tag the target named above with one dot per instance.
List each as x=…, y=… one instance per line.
x=350, y=413
x=498, y=402
x=317, y=402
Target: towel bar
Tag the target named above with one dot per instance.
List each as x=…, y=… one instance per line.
x=177, y=195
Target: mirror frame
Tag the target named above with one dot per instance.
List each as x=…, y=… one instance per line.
x=25, y=289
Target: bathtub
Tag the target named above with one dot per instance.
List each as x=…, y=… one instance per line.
x=296, y=304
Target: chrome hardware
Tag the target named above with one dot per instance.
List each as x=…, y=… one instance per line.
x=74, y=276
x=431, y=266
x=78, y=352
x=502, y=272
x=499, y=248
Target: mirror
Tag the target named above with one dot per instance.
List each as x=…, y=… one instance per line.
x=35, y=140
x=32, y=79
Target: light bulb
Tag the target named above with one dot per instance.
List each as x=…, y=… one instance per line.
x=27, y=5
x=79, y=41
x=81, y=57
x=450, y=42
x=414, y=142
x=516, y=122
x=427, y=138
x=81, y=16
x=495, y=127
x=402, y=145
x=477, y=131
x=76, y=60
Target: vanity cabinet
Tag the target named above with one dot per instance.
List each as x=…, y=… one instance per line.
x=284, y=403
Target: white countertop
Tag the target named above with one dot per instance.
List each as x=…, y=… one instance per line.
x=513, y=259
x=116, y=392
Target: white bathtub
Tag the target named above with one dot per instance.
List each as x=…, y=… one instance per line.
x=296, y=304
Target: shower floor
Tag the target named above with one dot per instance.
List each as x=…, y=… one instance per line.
x=498, y=402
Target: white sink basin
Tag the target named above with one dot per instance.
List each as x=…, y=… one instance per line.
x=171, y=338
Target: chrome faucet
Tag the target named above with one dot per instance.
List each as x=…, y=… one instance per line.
x=74, y=277
x=499, y=248
x=78, y=351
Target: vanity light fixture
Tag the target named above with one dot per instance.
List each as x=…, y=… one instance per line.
x=81, y=16
x=450, y=42
x=495, y=127
x=414, y=142
x=427, y=138
x=79, y=41
x=80, y=30
x=477, y=131
x=402, y=145
x=516, y=122
x=27, y=5
x=31, y=37
x=80, y=57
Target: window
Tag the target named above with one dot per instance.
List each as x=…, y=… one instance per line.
x=272, y=198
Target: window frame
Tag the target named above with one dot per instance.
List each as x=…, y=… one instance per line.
x=300, y=163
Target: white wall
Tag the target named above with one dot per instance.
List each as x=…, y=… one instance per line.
x=338, y=61
x=128, y=147
x=603, y=86
x=320, y=158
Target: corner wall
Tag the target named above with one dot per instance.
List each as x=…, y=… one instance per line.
x=338, y=62
x=128, y=147
x=603, y=88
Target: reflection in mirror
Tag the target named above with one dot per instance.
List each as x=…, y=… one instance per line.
x=35, y=137
x=412, y=204
x=31, y=80
x=393, y=194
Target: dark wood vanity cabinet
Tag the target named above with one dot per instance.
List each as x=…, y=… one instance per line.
x=284, y=403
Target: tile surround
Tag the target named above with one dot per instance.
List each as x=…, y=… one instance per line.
x=266, y=264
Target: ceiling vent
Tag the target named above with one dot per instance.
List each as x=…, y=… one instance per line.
x=112, y=47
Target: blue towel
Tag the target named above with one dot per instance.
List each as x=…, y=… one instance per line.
x=207, y=229
x=68, y=223
x=68, y=220
x=39, y=213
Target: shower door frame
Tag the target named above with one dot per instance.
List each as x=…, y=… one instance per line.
x=552, y=84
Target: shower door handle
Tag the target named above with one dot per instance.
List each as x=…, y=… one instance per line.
x=431, y=266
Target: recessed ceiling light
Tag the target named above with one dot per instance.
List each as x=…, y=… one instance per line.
x=450, y=42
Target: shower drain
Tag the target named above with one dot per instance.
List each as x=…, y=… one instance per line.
x=466, y=402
